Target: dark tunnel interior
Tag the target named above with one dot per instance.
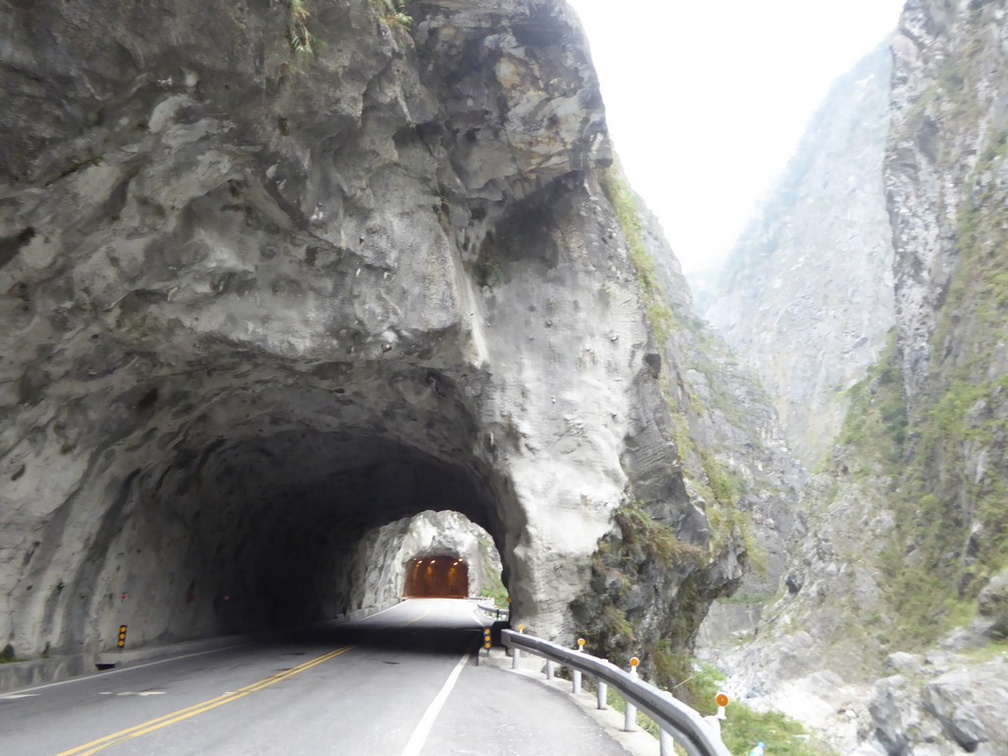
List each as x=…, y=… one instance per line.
x=259, y=527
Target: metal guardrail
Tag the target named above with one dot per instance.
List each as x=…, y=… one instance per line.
x=494, y=611
x=682, y=723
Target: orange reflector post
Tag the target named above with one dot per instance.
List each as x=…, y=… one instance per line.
x=634, y=661
x=581, y=642
x=721, y=699
x=122, y=636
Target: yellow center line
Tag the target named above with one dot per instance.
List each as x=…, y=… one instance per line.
x=177, y=716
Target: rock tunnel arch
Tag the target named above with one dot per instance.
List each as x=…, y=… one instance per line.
x=244, y=509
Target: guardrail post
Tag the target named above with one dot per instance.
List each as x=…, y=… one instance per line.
x=630, y=718
x=666, y=744
x=576, y=674
x=549, y=669
x=603, y=696
x=515, y=651
x=698, y=735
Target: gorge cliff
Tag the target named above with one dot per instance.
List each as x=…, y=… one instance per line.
x=806, y=295
x=889, y=631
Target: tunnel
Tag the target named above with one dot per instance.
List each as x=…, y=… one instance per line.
x=438, y=577
x=252, y=513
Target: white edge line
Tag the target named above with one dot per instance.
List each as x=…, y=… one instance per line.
x=423, y=728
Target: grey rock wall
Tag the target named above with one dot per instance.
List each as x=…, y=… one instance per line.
x=735, y=461
x=948, y=121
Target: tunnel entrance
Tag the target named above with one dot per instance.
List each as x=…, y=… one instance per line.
x=288, y=505
x=438, y=577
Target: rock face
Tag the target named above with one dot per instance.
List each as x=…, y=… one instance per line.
x=734, y=462
x=947, y=189
x=806, y=294
x=947, y=705
x=902, y=533
x=945, y=181
x=259, y=303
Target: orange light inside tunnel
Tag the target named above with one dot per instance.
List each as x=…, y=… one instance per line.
x=440, y=577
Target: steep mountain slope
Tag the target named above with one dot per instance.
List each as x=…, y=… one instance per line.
x=733, y=460
x=947, y=189
x=806, y=294
x=896, y=609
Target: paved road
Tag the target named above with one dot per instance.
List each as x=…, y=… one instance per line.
x=401, y=683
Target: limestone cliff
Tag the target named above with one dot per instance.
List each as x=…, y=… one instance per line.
x=277, y=274
x=897, y=584
x=734, y=463
x=806, y=295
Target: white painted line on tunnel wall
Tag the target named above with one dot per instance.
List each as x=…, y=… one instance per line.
x=109, y=672
x=381, y=611
x=423, y=728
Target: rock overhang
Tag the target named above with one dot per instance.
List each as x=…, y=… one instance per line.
x=323, y=298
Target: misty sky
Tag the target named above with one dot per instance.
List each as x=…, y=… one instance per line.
x=706, y=101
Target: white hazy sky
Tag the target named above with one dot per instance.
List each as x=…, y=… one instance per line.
x=706, y=101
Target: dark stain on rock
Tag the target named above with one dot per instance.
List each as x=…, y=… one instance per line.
x=32, y=385
x=11, y=245
x=147, y=400
x=116, y=201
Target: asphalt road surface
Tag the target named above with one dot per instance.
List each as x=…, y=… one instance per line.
x=400, y=683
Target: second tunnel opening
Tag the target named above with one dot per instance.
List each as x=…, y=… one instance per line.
x=438, y=577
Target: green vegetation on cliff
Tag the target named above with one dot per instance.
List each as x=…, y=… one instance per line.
x=948, y=458
x=628, y=573
x=627, y=206
x=644, y=565
x=717, y=482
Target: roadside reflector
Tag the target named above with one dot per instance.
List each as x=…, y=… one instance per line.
x=581, y=642
x=122, y=636
x=721, y=699
x=634, y=661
